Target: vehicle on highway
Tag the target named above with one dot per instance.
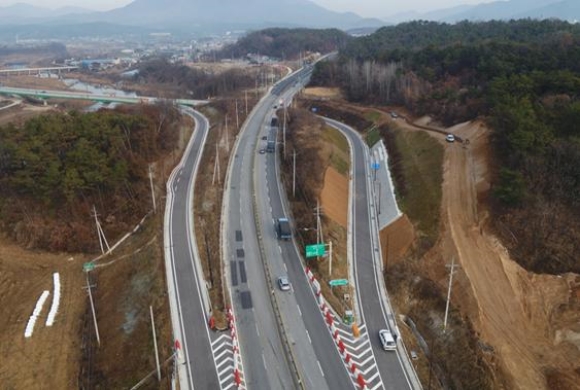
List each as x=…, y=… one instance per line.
x=450, y=138
x=387, y=340
x=272, y=138
x=262, y=151
x=283, y=283
x=283, y=229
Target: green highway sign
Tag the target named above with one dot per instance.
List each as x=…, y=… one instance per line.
x=338, y=282
x=315, y=250
x=88, y=267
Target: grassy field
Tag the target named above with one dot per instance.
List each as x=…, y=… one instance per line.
x=339, y=158
x=418, y=164
x=373, y=136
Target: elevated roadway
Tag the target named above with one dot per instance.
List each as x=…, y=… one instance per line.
x=111, y=98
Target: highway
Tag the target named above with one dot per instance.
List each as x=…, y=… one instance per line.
x=266, y=364
x=314, y=346
x=367, y=265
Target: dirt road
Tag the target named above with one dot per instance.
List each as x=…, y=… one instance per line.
x=514, y=308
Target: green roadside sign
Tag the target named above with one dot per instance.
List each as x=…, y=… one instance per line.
x=88, y=267
x=315, y=250
x=338, y=282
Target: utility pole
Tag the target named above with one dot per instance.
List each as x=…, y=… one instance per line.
x=284, y=131
x=294, y=174
x=330, y=258
x=100, y=233
x=93, y=310
x=451, y=272
x=155, y=344
x=216, y=166
x=237, y=116
x=246, y=99
x=152, y=189
x=227, y=135
x=318, y=223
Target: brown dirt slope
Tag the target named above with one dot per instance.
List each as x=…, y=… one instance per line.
x=515, y=312
x=396, y=239
x=50, y=358
x=334, y=196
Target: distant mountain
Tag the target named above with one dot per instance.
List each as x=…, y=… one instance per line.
x=436, y=15
x=245, y=14
x=178, y=17
x=23, y=12
x=567, y=9
x=499, y=10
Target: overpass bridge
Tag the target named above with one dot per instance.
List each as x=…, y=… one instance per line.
x=31, y=71
x=109, y=98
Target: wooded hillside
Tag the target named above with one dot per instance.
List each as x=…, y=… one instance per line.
x=286, y=44
x=524, y=77
x=55, y=168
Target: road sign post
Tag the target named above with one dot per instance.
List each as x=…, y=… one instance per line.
x=338, y=282
x=316, y=250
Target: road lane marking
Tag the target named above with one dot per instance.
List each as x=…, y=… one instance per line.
x=320, y=367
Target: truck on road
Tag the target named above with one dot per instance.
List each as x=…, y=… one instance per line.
x=283, y=229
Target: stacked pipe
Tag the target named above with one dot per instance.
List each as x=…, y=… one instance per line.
x=55, y=300
x=35, y=314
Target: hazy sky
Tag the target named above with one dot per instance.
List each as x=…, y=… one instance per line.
x=369, y=8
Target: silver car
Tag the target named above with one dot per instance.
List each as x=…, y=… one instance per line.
x=283, y=283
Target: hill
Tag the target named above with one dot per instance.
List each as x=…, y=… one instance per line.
x=286, y=43
x=568, y=10
x=249, y=14
x=176, y=16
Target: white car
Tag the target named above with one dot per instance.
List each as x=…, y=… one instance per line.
x=450, y=138
x=387, y=340
x=283, y=283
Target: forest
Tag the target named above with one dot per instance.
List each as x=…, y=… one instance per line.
x=194, y=83
x=523, y=78
x=57, y=166
x=286, y=44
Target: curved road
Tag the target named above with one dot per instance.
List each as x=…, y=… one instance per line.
x=368, y=275
x=185, y=283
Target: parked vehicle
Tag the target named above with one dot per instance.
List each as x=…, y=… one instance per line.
x=450, y=138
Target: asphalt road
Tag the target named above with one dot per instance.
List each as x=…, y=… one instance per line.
x=372, y=307
x=200, y=369
x=317, y=352
x=266, y=365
